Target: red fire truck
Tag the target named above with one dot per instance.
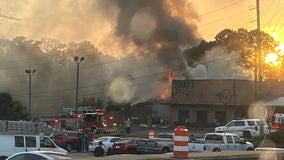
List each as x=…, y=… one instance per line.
x=277, y=122
x=87, y=118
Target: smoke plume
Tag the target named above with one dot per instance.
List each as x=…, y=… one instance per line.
x=156, y=27
x=155, y=31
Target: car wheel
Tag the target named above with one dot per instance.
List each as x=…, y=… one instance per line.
x=216, y=150
x=246, y=135
x=68, y=147
x=94, y=130
x=165, y=150
x=249, y=149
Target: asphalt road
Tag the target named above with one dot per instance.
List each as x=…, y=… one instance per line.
x=232, y=155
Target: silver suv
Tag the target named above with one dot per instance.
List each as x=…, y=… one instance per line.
x=245, y=128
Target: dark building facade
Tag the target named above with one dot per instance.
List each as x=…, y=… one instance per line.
x=210, y=102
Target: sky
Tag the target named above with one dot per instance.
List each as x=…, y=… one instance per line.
x=235, y=14
x=119, y=28
x=71, y=20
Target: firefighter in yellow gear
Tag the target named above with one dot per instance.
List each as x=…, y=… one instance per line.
x=127, y=124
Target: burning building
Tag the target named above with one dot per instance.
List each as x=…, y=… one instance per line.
x=201, y=102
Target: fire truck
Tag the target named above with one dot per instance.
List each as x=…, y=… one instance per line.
x=277, y=122
x=90, y=118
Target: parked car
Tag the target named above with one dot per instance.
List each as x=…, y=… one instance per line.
x=15, y=143
x=245, y=128
x=107, y=143
x=127, y=145
x=70, y=140
x=39, y=155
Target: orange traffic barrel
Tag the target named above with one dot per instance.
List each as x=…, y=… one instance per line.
x=181, y=142
x=151, y=134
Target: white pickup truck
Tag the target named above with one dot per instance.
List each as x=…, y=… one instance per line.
x=216, y=142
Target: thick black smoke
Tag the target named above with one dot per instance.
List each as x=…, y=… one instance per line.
x=158, y=26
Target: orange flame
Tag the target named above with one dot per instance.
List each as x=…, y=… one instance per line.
x=171, y=75
x=165, y=93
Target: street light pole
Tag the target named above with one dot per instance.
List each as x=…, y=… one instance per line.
x=77, y=61
x=30, y=72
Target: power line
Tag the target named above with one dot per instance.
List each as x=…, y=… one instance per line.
x=219, y=9
x=224, y=18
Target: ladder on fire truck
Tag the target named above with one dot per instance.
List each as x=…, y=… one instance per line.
x=72, y=110
x=24, y=127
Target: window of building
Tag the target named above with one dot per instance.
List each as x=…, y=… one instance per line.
x=221, y=117
x=183, y=116
x=202, y=117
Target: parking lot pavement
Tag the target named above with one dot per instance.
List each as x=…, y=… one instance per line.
x=88, y=156
x=234, y=155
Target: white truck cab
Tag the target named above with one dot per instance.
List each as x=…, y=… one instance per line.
x=14, y=143
x=216, y=142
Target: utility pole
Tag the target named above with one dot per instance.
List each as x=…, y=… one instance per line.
x=30, y=72
x=260, y=62
x=77, y=62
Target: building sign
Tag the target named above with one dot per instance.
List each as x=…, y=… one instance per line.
x=225, y=96
x=219, y=92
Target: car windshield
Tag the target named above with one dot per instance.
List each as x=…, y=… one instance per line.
x=126, y=141
x=278, y=119
x=102, y=139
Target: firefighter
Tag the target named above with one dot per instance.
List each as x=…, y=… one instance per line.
x=90, y=137
x=84, y=141
x=127, y=124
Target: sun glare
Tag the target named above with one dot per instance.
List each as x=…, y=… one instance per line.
x=280, y=49
x=272, y=58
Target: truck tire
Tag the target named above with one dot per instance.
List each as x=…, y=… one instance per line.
x=99, y=152
x=165, y=150
x=94, y=130
x=249, y=149
x=216, y=150
x=246, y=135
